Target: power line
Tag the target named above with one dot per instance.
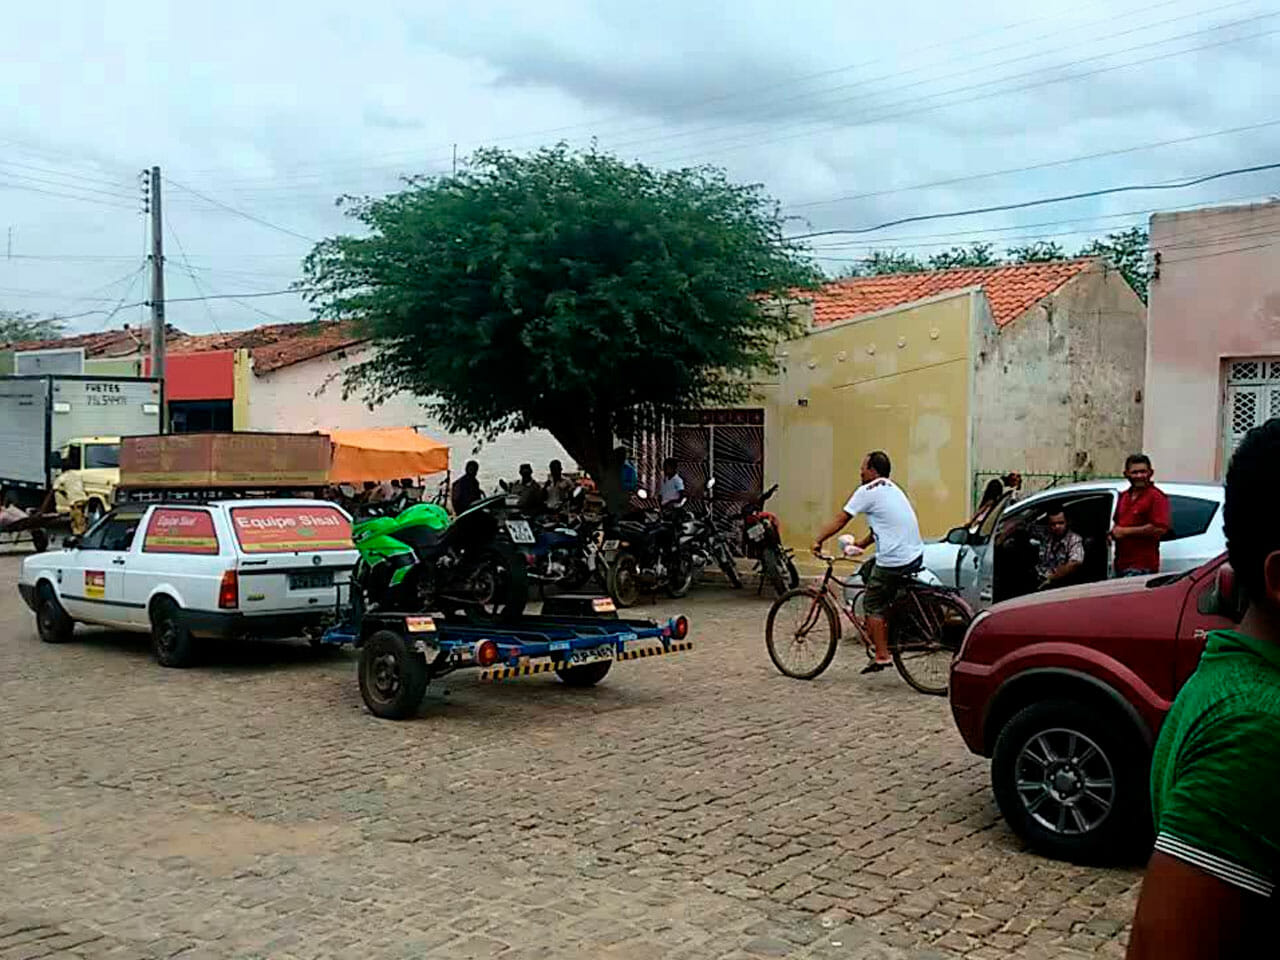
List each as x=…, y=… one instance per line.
x=921, y=105
x=76, y=179
x=5, y=185
x=191, y=273
x=1041, y=202
x=1035, y=166
x=241, y=213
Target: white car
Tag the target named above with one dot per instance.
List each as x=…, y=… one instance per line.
x=186, y=571
x=996, y=559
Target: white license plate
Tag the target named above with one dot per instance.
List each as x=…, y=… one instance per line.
x=578, y=657
x=520, y=531
x=310, y=580
x=611, y=546
x=756, y=532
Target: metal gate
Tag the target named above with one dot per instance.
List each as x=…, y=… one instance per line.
x=1253, y=397
x=727, y=445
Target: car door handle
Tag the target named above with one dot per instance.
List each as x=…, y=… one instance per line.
x=118, y=561
x=985, y=596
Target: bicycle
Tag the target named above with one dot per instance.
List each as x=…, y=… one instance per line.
x=926, y=627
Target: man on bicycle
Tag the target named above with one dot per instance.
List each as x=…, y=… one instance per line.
x=899, y=549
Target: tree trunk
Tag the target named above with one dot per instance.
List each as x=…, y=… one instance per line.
x=592, y=445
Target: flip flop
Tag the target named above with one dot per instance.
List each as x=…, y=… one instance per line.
x=875, y=666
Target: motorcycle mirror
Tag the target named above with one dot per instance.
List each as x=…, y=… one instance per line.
x=711, y=483
x=503, y=484
x=578, y=491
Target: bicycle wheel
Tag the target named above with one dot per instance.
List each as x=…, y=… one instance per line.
x=925, y=631
x=801, y=633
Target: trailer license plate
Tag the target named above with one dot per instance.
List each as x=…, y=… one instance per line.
x=520, y=531
x=311, y=580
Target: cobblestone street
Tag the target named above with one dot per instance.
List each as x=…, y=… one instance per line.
x=693, y=806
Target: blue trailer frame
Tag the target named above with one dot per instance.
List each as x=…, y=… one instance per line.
x=400, y=653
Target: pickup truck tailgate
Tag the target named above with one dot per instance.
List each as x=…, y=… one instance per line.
x=292, y=558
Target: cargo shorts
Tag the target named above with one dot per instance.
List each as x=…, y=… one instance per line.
x=884, y=583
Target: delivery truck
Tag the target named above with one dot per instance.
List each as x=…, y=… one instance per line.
x=61, y=431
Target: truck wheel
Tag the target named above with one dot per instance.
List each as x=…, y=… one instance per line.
x=52, y=622
x=393, y=679
x=587, y=675
x=1071, y=781
x=171, y=642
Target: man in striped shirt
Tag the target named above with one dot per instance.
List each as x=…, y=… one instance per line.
x=1215, y=776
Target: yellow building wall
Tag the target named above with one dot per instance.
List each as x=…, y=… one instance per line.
x=242, y=365
x=896, y=381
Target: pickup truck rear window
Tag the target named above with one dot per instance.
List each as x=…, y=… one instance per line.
x=180, y=531
x=291, y=529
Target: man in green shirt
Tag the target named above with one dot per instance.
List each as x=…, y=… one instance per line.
x=1215, y=776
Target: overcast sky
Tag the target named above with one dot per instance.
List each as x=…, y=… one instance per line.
x=269, y=111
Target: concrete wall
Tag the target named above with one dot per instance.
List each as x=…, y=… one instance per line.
x=1058, y=390
x=896, y=380
x=1217, y=296
x=308, y=396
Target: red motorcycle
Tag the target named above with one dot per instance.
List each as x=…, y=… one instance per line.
x=762, y=542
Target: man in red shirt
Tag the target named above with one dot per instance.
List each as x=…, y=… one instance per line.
x=1141, y=520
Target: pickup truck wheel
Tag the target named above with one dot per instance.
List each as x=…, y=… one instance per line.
x=52, y=622
x=1071, y=782
x=171, y=642
x=587, y=675
x=393, y=679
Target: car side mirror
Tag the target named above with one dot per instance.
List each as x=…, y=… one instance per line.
x=958, y=535
x=1223, y=598
x=56, y=461
x=71, y=543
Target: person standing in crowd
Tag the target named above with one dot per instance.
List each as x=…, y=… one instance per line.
x=1142, y=518
x=672, y=483
x=528, y=490
x=628, y=478
x=558, y=488
x=1215, y=776
x=466, y=489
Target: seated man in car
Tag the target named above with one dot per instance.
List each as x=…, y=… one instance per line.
x=1061, y=553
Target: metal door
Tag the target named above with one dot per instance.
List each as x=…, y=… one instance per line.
x=1253, y=397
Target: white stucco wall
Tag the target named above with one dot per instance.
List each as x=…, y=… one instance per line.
x=1216, y=297
x=308, y=396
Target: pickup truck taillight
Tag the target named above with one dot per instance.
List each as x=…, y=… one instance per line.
x=229, y=591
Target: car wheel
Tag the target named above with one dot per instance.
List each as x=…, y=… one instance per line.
x=1071, y=781
x=52, y=622
x=171, y=642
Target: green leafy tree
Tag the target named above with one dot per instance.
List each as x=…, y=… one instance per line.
x=880, y=262
x=1126, y=250
x=1039, y=251
x=974, y=255
x=19, y=327
x=565, y=291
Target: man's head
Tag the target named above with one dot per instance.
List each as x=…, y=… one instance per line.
x=526, y=473
x=669, y=467
x=1137, y=470
x=1250, y=517
x=472, y=468
x=1057, y=523
x=874, y=465
x=556, y=469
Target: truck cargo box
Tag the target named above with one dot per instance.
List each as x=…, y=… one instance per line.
x=222, y=460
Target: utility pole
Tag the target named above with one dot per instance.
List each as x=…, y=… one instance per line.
x=455, y=159
x=157, y=277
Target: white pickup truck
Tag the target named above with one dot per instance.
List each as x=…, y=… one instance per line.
x=184, y=572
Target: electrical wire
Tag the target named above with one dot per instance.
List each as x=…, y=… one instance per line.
x=240, y=213
x=920, y=218
x=5, y=185
x=195, y=281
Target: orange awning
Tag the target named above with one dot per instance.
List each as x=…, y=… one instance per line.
x=384, y=453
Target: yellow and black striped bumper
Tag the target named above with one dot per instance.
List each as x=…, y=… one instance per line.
x=547, y=666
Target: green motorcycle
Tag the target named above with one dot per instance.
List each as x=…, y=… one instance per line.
x=418, y=559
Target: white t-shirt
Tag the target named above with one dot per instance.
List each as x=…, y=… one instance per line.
x=672, y=489
x=892, y=520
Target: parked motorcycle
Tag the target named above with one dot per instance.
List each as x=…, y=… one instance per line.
x=418, y=559
x=762, y=542
x=709, y=540
x=643, y=552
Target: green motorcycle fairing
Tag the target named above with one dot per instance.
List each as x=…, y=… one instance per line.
x=375, y=537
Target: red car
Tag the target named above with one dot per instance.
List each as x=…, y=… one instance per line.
x=1065, y=691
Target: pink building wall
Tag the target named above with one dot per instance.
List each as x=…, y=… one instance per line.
x=1216, y=297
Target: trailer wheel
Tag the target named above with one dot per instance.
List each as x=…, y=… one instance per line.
x=393, y=679
x=587, y=675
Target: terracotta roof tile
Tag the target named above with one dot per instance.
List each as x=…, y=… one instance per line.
x=106, y=343
x=276, y=345
x=1011, y=290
